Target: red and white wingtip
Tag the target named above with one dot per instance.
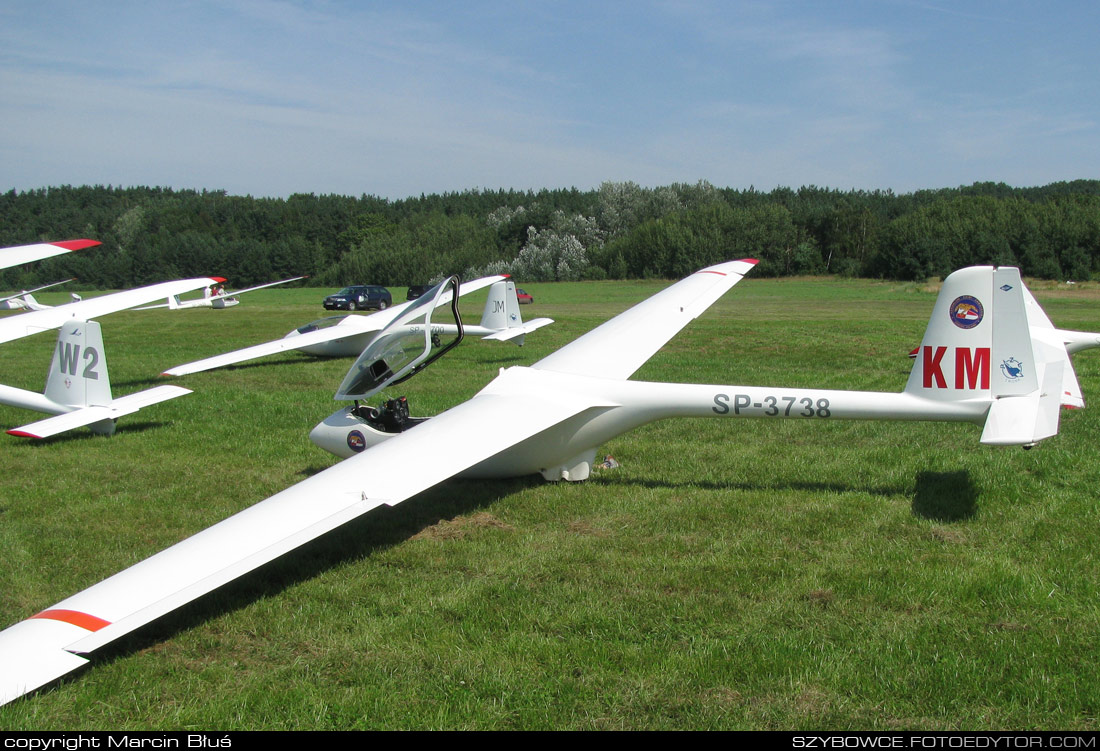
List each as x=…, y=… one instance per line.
x=76, y=244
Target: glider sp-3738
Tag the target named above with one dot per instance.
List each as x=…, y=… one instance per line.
x=550, y=418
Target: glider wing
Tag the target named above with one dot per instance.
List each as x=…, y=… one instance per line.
x=620, y=346
x=48, y=645
x=27, y=253
x=26, y=324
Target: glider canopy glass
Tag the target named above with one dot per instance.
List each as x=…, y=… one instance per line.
x=408, y=344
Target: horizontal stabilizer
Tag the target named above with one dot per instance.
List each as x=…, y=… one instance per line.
x=88, y=415
x=1027, y=419
x=526, y=327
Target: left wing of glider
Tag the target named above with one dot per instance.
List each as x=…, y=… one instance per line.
x=27, y=253
x=26, y=324
x=47, y=645
x=620, y=346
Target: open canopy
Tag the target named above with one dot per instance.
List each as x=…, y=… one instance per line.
x=408, y=344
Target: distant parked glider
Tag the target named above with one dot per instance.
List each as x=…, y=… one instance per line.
x=25, y=300
x=214, y=297
x=348, y=336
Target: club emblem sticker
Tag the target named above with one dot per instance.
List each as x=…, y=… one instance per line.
x=1012, y=369
x=966, y=312
x=356, y=441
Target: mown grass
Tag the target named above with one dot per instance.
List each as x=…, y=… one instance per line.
x=730, y=574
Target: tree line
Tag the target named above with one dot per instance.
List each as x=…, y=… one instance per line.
x=618, y=231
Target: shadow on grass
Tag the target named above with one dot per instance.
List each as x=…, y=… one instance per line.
x=377, y=530
x=296, y=358
x=84, y=434
x=818, y=487
x=945, y=496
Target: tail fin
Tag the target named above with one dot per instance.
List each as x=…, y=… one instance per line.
x=979, y=345
x=78, y=374
x=78, y=386
x=502, y=315
x=501, y=307
x=31, y=304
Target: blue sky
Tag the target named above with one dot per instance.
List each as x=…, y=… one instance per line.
x=270, y=98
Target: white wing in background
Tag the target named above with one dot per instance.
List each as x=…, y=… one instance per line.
x=26, y=324
x=27, y=253
x=352, y=325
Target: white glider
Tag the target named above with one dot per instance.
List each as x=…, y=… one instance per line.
x=980, y=363
x=25, y=299
x=27, y=324
x=27, y=253
x=78, y=388
x=348, y=336
x=217, y=300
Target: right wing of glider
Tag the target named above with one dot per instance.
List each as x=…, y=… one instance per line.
x=27, y=253
x=48, y=644
x=620, y=346
x=26, y=324
x=355, y=324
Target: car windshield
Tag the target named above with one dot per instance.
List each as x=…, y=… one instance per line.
x=346, y=291
x=422, y=333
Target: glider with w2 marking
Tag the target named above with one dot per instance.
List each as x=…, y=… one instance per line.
x=984, y=360
x=78, y=388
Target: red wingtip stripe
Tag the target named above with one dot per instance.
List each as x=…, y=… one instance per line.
x=753, y=261
x=77, y=244
x=74, y=617
x=218, y=279
x=22, y=433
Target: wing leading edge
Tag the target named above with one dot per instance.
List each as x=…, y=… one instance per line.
x=619, y=347
x=26, y=324
x=47, y=645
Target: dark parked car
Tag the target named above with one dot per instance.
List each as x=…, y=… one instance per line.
x=523, y=297
x=360, y=297
x=417, y=290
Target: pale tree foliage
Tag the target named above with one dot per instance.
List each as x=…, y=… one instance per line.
x=499, y=217
x=620, y=207
x=557, y=253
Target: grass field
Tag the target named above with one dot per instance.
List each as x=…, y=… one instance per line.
x=729, y=575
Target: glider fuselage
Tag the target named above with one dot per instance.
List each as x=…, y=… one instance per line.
x=612, y=407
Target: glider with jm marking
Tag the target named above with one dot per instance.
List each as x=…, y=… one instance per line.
x=349, y=335
x=27, y=324
x=78, y=388
x=21, y=254
x=215, y=297
x=990, y=369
